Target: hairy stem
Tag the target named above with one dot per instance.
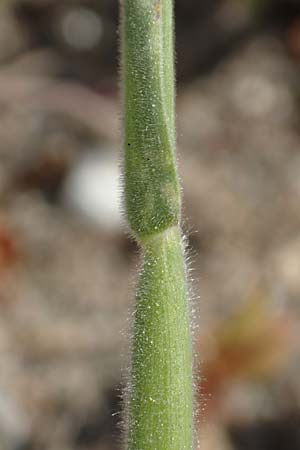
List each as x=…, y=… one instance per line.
x=160, y=383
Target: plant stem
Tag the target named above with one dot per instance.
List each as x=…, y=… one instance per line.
x=160, y=383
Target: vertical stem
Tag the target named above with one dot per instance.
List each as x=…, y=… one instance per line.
x=160, y=383
x=160, y=408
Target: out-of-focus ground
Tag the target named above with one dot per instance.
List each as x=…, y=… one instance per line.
x=67, y=265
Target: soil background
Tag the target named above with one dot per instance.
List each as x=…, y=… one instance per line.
x=67, y=262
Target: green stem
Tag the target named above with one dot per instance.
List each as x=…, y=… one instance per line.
x=161, y=376
x=151, y=185
x=160, y=412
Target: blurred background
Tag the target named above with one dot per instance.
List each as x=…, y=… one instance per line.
x=66, y=263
